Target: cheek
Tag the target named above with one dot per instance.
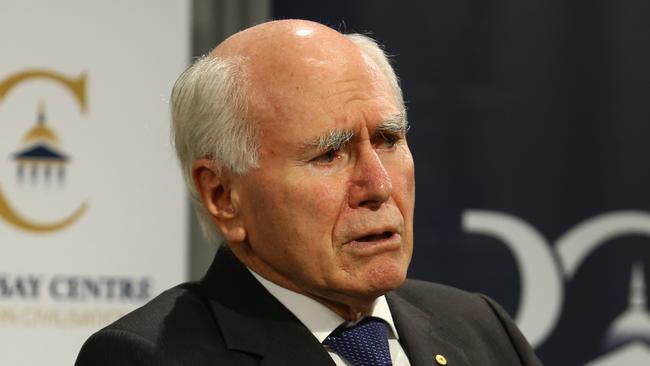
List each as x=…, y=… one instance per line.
x=317, y=202
x=325, y=197
x=307, y=205
x=403, y=179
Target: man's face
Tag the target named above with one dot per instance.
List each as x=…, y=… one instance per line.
x=329, y=211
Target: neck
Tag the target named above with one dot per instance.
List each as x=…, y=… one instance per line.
x=350, y=312
x=349, y=307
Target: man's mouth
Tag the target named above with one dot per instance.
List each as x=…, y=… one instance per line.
x=375, y=237
x=377, y=242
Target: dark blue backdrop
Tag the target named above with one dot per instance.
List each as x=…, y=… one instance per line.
x=538, y=109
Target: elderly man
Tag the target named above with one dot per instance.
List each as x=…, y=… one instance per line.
x=292, y=138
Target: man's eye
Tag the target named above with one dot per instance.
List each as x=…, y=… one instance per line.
x=327, y=157
x=388, y=141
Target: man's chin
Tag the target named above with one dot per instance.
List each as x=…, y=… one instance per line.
x=387, y=286
x=379, y=281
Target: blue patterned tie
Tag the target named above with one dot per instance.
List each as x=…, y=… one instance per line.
x=364, y=344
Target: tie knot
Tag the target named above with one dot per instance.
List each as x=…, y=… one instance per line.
x=363, y=344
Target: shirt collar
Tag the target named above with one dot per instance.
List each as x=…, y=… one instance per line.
x=319, y=319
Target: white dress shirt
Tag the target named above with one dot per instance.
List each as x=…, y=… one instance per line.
x=321, y=321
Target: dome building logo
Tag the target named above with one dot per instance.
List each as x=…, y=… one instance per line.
x=40, y=159
x=628, y=339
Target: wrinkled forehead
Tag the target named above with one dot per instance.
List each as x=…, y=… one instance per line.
x=313, y=76
x=304, y=64
x=318, y=95
x=301, y=71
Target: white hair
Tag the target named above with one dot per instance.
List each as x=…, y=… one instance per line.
x=370, y=48
x=209, y=118
x=208, y=108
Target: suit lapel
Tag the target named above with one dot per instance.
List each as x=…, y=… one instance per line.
x=253, y=321
x=420, y=340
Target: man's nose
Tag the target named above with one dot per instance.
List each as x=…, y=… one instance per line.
x=371, y=185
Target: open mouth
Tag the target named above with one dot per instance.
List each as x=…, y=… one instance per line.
x=375, y=237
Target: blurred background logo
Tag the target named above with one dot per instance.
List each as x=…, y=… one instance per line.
x=40, y=159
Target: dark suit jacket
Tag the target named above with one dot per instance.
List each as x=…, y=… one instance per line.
x=228, y=318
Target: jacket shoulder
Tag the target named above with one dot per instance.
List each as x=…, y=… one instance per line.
x=164, y=313
x=449, y=306
x=474, y=321
x=164, y=331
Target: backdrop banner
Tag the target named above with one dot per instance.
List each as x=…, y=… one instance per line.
x=530, y=125
x=93, y=211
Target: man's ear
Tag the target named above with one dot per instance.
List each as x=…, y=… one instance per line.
x=219, y=199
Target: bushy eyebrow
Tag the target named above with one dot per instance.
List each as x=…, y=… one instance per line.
x=395, y=124
x=333, y=140
x=336, y=139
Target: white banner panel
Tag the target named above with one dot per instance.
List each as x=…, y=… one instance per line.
x=92, y=207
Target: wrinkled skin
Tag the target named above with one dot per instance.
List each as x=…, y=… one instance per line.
x=333, y=224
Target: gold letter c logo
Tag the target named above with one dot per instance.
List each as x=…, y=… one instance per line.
x=77, y=86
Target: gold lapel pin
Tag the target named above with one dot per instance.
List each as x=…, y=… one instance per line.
x=441, y=360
